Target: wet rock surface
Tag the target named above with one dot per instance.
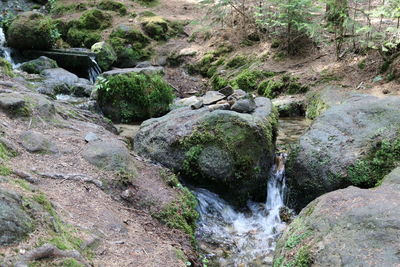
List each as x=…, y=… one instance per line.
x=347, y=227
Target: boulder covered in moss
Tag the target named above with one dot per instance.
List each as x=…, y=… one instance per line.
x=225, y=151
x=355, y=143
x=106, y=55
x=112, y=6
x=38, y=65
x=134, y=96
x=15, y=222
x=348, y=227
x=156, y=27
x=32, y=30
x=95, y=19
x=129, y=43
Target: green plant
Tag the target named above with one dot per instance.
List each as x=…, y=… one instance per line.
x=236, y=62
x=294, y=240
x=248, y=80
x=113, y=6
x=95, y=19
x=135, y=96
x=6, y=67
x=370, y=171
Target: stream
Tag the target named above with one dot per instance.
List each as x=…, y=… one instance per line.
x=236, y=238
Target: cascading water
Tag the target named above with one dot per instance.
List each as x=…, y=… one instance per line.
x=5, y=52
x=94, y=71
x=243, y=238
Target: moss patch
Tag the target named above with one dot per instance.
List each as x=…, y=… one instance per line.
x=112, y=6
x=133, y=97
x=95, y=19
x=285, y=84
x=181, y=213
x=370, y=171
x=315, y=106
x=155, y=27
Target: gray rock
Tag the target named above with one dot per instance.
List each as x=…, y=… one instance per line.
x=290, y=106
x=12, y=103
x=203, y=145
x=15, y=223
x=38, y=65
x=224, y=106
x=11, y=147
x=227, y=90
x=335, y=141
x=188, y=101
x=91, y=137
x=109, y=155
x=84, y=81
x=144, y=64
x=148, y=70
x=61, y=76
x=82, y=90
x=237, y=94
x=246, y=105
x=348, y=227
x=37, y=143
x=212, y=97
x=196, y=105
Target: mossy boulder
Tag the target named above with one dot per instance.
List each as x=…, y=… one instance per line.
x=224, y=151
x=112, y=6
x=347, y=227
x=6, y=67
x=15, y=222
x=95, y=19
x=129, y=43
x=78, y=37
x=32, y=30
x=134, y=96
x=38, y=65
x=355, y=143
x=106, y=55
x=156, y=27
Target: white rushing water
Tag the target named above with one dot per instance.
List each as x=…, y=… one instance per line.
x=94, y=71
x=243, y=238
x=6, y=51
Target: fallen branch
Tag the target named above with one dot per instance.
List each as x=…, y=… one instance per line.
x=73, y=177
x=49, y=251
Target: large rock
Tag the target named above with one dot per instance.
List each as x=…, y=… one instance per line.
x=106, y=55
x=13, y=104
x=349, y=227
x=31, y=30
x=337, y=141
x=15, y=223
x=61, y=75
x=37, y=143
x=225, y=151
x=147, y=70
x=38, y=65
x=109, y=155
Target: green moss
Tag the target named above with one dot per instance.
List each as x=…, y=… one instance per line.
x=71, y=263
x=370, y=171
x=148, y=3
x=22, y=183
x=248, y=80
x=294, y=240
x=82, y=38
x=95, y=19
x=155, y=27
x=135, y=96
x=270, y=88
x=219, y=82
x=208, y=64
x=181, y=213
x=169, y=178
x=32, y=30
x=315, y=106
x=236, y=62
x=4, y=170
x=113, y=6
x=60, y=9
x=147, y=13
x=361, y=65
x=301, y=259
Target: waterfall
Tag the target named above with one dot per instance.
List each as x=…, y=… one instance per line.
x=6, y=51
x=94, y=71
x=244, y=237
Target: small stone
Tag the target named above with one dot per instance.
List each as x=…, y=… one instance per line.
x=91, y=137
x=188, y=101
x=218, y=107
x=237, y=94
x=130, y=20
x=127, y=194
x=386, y=91
x=244, y=105
x=198, y=104
x=187, y=52
x=212, y=97
x=227, y=90
x=144, y=64
x=36, y=142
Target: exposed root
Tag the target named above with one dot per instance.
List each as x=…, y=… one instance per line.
x=73, y=177
x=48, y=251
x=26, y=176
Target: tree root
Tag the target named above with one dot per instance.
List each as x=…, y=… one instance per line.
x=73, y=177
x=26, y=176
x=49, y=251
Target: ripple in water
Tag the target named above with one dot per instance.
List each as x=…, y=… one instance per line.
x=238, y=238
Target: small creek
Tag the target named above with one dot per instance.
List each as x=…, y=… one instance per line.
x=236, y=238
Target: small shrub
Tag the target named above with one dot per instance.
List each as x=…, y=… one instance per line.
x=133, y=97
x=6, y=67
